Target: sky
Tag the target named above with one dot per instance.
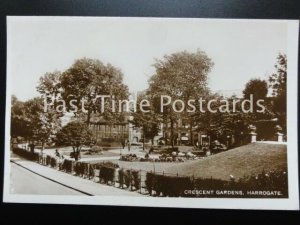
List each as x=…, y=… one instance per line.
x=240, y=49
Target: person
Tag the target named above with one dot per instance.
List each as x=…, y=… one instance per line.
x=57, y=153
x=151, y=149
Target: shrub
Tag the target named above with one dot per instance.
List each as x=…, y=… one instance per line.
x=34, y=156
x=91, y=171
x=79, y=168
x=149, y=182
x=135, y=179
x=53, y=162
x=48, y=160
x=127, y=178
x=109, y=164
x=107, y=173
x=265, y=181
x=67, y=166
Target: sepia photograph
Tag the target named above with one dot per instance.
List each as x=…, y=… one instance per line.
x=166, y=112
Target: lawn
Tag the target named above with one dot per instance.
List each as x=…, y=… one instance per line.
x=239, y=162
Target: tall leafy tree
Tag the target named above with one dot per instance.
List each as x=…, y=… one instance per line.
x=181, y=75
x=278, y=83
x=88, y=78
x=20, y=125
x=30, y=121
x=42, y=125
x=258, y=89
x=50, y=88
x=145, y=118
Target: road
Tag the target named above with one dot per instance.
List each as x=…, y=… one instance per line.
x=25, y=182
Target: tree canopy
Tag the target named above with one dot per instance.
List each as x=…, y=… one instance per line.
x=75, y=134
x=181, y=75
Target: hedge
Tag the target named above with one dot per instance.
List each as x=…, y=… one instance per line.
x=34, y=156
x=107, y=173
x=67, y=166
x=84, y=169
x=173, y=186
x=135, y=179
x=131, y=178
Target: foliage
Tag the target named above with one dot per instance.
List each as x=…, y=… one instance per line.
x=107, y=173
x=278, y=83
x=75, y=134
x=146, y=119
x=67, y=165
x=88, y=78
x=135, y=179
x=20, y=126
x=131, y=178
x=167, y=185
x=174, y=75
x=174, y=186
x=26, y=154
x=256, y=87
x=30, y=121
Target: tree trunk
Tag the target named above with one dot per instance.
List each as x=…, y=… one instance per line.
x=172, y=134
x=143, y=140
x=191, y=133
x=43, y=145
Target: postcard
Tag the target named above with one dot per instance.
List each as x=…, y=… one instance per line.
x=158, y=112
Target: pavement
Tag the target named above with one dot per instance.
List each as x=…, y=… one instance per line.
x=23, y=181
x=65, y=180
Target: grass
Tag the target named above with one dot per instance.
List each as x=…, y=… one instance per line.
x=239, y=162
x=147, y=166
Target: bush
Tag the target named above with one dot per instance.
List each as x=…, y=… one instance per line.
x=135, y=179
x=67, y=166
x=109, y=164
x=53, y=162
x=34, y=156
x=265, y=181
x=79, y=168
x=91, y=171
x=107, y=173
x=48, y=160
x=167, y=185
x=149, y=182
x=131, y=178
x=127, y=178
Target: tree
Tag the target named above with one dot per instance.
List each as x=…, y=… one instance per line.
x=258, y=89
x=181, y=75
x=75, y=134
x=50, y=87
x=28, y=120
x=42, y=125
x=19, y=122
x=88, y=78
x=278, y=84
x=146, y=119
